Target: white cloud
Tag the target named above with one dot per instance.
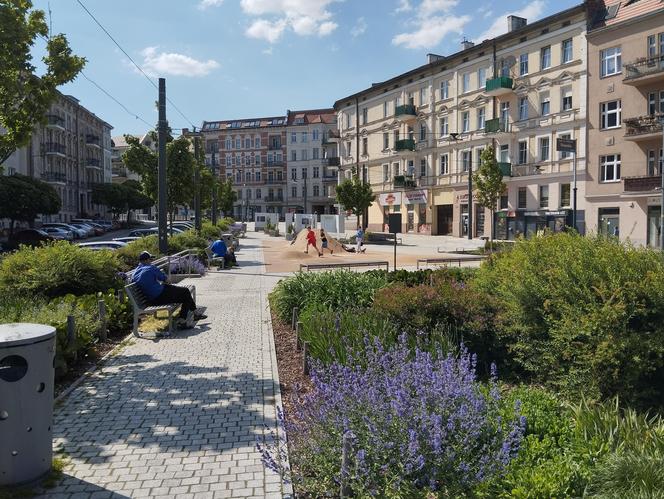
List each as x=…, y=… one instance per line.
x=430, y=7
x=164, y=63
x=404, y=6
x=359, y=28
x=303, y=17
x=431, y=32
x=204, y=4
x=532, y=12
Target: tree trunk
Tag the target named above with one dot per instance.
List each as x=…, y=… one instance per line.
x=11, y=227
x=493, y=229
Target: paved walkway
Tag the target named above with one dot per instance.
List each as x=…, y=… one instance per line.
x=179, y=417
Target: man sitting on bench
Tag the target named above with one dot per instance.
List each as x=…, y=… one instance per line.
x=220, y=250
x=152, y=282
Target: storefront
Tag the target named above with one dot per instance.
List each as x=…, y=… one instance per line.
x=416, y=204
x=443, y=215
x=389, y=202
x=512, y=224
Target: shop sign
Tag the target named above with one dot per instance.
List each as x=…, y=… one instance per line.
x=463, y=198
x=535, y=213
x=654, y=201
x=559, y=213
x=390, y=199
x=566, y=145
x=418, y=196
x=543, y=213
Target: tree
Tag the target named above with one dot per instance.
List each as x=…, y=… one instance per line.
x=24, y=198
x=226, y=197
x=489, y=183
x=121, y=198
x=25, y=97
x=355, y=195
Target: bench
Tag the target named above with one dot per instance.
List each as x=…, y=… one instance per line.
x=382, y=237
x=323, y=266
x=143, y=308
x=446, y=261
x=211, y=258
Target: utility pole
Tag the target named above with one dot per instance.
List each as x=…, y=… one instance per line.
x=162, y=126
x=470, y=199
x=574, y=190
x=197, y=184
x=215, y=186
x=661, y=199
x=305, y=193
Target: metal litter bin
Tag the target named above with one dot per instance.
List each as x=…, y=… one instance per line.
x=27, y=355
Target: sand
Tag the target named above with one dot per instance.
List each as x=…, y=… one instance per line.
x=300, y=244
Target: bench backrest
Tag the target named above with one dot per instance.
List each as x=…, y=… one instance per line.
x=136, y=295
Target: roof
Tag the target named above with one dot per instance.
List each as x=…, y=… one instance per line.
x=312, y=116
x=455, y=58
x=120, y=141
x=604, y=13
x=246, y=123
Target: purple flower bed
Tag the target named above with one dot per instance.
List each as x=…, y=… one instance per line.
x=418, y=424
x=187, y=264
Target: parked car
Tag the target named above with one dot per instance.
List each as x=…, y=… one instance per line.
x=152, y=231
x=89, y=231
x=59, y=233
x=126, y=239
x=183, y=225
x=29, y=237
x=78, y=232
x=103, y=245
x=106, y=224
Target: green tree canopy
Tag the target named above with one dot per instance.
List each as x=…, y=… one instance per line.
x=24, y=96
x=488, y=180
x=121, y=198
x=24, y=198
x=227, y=196
x=355, y=195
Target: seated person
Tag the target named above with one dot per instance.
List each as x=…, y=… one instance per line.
x=350, y=249
x=230, y=257
x=152, y=282
x=219, y=249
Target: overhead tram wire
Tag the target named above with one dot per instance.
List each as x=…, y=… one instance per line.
x=147, y=77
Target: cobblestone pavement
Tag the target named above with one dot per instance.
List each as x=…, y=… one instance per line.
x=179, y=417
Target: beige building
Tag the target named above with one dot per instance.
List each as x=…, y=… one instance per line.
x=120, y=173
x=626, y=103
x=415, y=137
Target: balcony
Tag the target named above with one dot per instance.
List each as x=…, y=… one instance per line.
x=275, y=181
x=274, y=199
x=330, y=176
x=93, y=141
x=274, y=146
x=404, y=181
x=644, y=127
x=505, y=169
x=54, y=178
x=331, y=137
x=271, y=164
x=499, y=86
x=496, y=125
x=647, y=183
x=92, y=163
x=644, y=71
x=405, y=145
x=53, y=148
x=55, y=122
x=406, y=112
x=333, y=161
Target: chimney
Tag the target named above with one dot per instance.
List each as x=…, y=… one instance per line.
x=515, y=22
x=466, y=44
x=433, y=58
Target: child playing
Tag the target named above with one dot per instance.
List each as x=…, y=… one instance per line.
x=323, y=239
x=311, y=241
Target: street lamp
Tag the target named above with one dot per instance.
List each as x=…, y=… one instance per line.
x=661, y=199
x=455, y=137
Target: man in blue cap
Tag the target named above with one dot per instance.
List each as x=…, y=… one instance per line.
x=152, y=282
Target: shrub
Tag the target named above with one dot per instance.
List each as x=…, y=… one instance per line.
x=129, y=254
x=417, y=425
x=187, y=240
x=58, y=269
x=187, y=265
x=582, y=315
x=336, y=290
x=209, y=231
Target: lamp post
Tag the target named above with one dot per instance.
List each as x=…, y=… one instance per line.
x=215, y=186
x=661, y=199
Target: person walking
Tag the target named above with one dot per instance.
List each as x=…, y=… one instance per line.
x=311, y=241
x=152, y=282
x=324, y=243
x=359, y=238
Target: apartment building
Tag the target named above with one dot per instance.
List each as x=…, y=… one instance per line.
x=70, y=151
x=120, y=173
x=313, y=162
x=626, y=103
x=251, y=152
x=416, y=137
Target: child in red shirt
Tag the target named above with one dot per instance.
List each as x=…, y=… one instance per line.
x=311, y=241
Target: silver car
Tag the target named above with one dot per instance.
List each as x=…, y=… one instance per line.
x=59, y=233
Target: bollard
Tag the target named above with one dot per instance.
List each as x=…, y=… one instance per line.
x=298, y=343
x=345, y=466
x=305, y=357
x=103, y=333
x=296, y=312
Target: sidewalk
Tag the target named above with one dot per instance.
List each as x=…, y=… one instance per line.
x=179, y=417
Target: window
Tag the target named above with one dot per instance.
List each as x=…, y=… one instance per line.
x=247, y=143
x=348, y=151
x=610, y=114
x=444, y=89
x=504, y=112
x=465, y=161
x=504, y=68
x=396, y=137
x=609, y=221
x=423, y=167
x=523, y=108
x=423, y=96
x=545, y=57
x=565, y=195
x=523, y=64
x=544, y=196
x=304, y=172
x=522, y=198
x=365, y=115
x=293, y=174
x=316, y=190
x=238, y=143
x=229, y=144
x=293, y=137
x=444, y=127
x=652, y=103
x=411, y=167
x=609, y=168
x=465, y=121
x=293, y=191
x=567, y=103
x=504, y=201
x=305, y=137
x=348, y=120
x=258, y=160
x=423, y=132
x=444, y=164
x=304, y=154
x=481, y=77
x=228, y=161
x=544, y=148
x=611, y=62
x=523, y=152
x=480, y=118
x=365, y=146
x=652, y=164
x=386, y=141
x=257, y=142
x=565, y=154
x=504, y=153
x=386, y=172
x=258, y=193
x=567, y=52
x=315, y=135
x=386, y=109
x=316, y=172
x=315, y=153
x=395, y=168
x=478, y=159
x=293, y=155
x=465, y=83
x=545, y=105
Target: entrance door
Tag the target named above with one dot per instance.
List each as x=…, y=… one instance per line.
x=444, y=214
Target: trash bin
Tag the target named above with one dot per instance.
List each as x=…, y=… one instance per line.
x=27, y=355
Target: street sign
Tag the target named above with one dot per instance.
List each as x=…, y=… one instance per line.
x=566, y=145
x=394, y=222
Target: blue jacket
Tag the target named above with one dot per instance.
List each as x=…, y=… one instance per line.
x=360, y=234
x=149, y=278
x=219, y=248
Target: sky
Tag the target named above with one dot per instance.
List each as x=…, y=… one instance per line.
x=235, y=59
